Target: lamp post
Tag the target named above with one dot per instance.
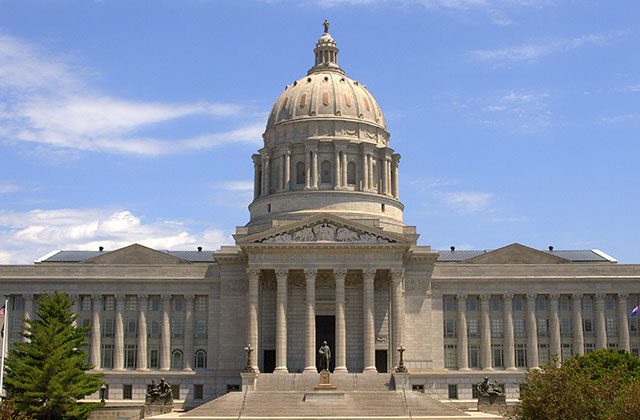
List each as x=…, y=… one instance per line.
x=401, y=367
x=103, y=392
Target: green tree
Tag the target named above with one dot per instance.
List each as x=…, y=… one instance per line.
x=46, y=375
x=601, y=385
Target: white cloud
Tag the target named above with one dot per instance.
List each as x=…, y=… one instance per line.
x=534, y=51
x=26, y=236
x=49, y=101
x=619, y=118
x=236, y=185
x=467, y=201
x=8, y=187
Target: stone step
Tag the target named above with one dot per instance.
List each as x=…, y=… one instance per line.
x=306, y=381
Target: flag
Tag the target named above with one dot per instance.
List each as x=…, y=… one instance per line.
x=635, y=311
x=2, y=310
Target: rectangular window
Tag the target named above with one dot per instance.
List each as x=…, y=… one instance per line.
x=587, y=327
x=131, y=328
x=109, y=303
x=154, y=357
x=565, y=327
x=155, y=304
x=86, y=323
x=18, y=303
x=498, y=355
x=612, y=327
x=198, y=392
x=632, y=302
x=635, y=349
x=449, y=328
x=474, y=356
x=543, y=354
x=107, y=356
x=201, y=328
x=108, y=327
x=587, y=303
x=472, y=303
x=449, y=303
x=175, y=390
x=417, y=388
x=567, y=351
x=153, y=328
x=497, y=329
x=127, y=392
x=131, y=303
x=519, y=329
x=563, y=303
x=543, y=327
x=85, y=303
x=612, y=345
x=610, y=302
x=16, y=327
x=450, y=356
x=130, y=355
x=177, y=328
x=589, y=348
x=453, y=391
x=178, y=304
x=474, y=391
x=541, y=303
x=495, y=303
x=521, y=355
x=518, y=303
x=202, y=304
x=473, y=328
x=634, y=326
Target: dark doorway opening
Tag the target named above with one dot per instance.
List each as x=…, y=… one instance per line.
x=381, y=361
x=269, y=361
x=326, y=331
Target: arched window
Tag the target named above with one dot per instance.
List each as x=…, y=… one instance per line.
x=351, y=173
x=300, y=173
x=177, y=360
x=201, y=359
x=325, y=176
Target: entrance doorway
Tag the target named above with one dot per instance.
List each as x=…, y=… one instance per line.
x=326, y=331
x=381, y=361
x=269, y=361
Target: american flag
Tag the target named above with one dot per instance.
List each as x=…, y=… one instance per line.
x=2, y=310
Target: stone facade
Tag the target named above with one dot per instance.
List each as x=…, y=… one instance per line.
x=326, y=241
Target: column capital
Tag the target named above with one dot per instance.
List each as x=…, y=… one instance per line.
x=97, y=297
x=119, y=297
x=600, y=295
x=576, y=295
x=310, y=273
x=253, y=273
x=624, y=295
x=484, y=297
x=165, y=298
x=73, y=296
x=143, y=297
x=369, y=273
x=554, y=296
x=461, y=296
x=507, y=296
x=531, y=296
x=189, y=298
x=27, y=296
x=281, y=274
x=340, y=273
x=397, y=273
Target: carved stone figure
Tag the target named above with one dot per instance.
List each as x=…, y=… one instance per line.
x=324, y=232
x=304, y=235
x=346, y=235
x=325, y=356
x=488, y=389
x=160, y=394
x=326, y=26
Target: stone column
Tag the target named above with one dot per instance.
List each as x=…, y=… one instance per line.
x=368, y=275
x=307, y=169
x=263, y=180
x=532, y=332
x=142, y=332
x=623, y=323
x=280, y=174
x=118, y=346
x=281, y=320
x=341, y=329
x=310, y=324
x=75, y=306
x=509, y=343
x=601, y=324
x=396, y=183
x=252, y=331
x=485, y=333
x=266, y=170
x=257, y=181
x=397, y=316
x=370, y=163
x=365, y=171
x=28, y=310
x=95, y=331
x=165, y=334
x=314, y=168
x=576, y=319
x=554, y=327
x=344, y=169
x=337, y=183
x=287, y=171
x=461, y=332
x=188, y=333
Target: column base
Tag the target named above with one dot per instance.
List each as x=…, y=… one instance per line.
x=340, y=370
x=370, y=369
x=187, y=370
x=281, y=370
x=164, y=369
x=117, y=370
x=464, y=369
x=512, y=368
x=488, y=368
x=310, y=369
x=141, y=369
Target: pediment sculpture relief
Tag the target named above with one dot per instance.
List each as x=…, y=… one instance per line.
x=326, y=232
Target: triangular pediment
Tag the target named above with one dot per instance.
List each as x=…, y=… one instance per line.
x=135, y=254
x=516, y=254
x=325, y=228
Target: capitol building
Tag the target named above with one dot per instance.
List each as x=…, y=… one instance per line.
x=326, y=256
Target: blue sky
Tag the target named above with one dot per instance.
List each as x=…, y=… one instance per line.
x=134, y=121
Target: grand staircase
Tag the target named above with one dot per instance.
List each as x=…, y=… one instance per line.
x=358, y=396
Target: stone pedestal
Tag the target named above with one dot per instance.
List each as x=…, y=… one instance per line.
x=401, y=380
x=249, y=380
x=493, y=404
x=156, y=409
x=325, y=382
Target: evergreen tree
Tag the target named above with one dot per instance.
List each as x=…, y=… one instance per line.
x=46, y=375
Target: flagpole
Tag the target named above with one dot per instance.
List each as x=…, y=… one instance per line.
x=4, y=345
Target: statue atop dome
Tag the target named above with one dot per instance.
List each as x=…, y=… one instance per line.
x=326, y=26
